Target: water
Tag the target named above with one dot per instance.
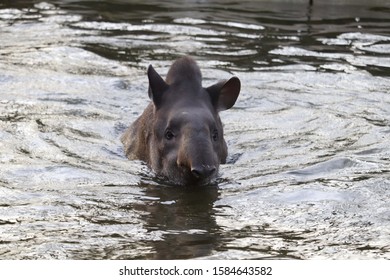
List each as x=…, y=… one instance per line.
x=309, y=158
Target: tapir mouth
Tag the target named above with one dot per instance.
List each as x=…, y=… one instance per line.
x=183, y=176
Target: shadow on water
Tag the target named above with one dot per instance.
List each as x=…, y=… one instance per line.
x=185, y=218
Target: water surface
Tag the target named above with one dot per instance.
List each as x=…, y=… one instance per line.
x=309, y=150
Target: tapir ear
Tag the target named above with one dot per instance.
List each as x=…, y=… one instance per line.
x=225, y=93
x=157, y=86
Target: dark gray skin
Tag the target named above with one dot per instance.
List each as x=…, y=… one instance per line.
x=179, y=134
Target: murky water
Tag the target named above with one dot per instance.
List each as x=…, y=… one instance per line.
x=309, y=166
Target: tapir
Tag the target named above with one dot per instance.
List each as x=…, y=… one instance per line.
x=180, y=134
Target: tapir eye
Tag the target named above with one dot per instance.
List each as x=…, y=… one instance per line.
x=215, y=135
x=169, y=134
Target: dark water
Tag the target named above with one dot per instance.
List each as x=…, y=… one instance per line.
x=309, y=166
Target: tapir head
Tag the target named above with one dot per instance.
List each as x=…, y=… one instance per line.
x=187, y=142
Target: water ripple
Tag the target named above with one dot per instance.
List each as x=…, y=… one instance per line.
x=307, y=175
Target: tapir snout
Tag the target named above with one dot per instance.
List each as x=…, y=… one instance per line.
x=180, y=134
x=197, y=155
x=200, y=169
x=203, y=171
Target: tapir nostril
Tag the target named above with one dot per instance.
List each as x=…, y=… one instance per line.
x=203, y=171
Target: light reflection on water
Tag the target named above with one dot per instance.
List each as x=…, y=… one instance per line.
x=308, y=169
